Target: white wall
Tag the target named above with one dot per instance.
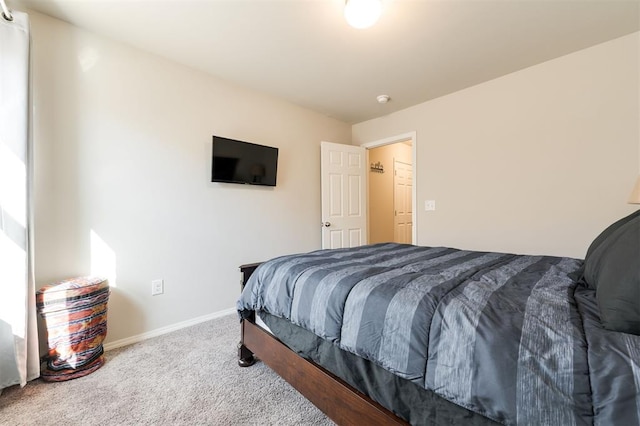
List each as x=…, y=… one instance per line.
x=538, y=161
x=123, y=153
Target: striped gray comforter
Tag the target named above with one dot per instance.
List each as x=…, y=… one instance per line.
x=511, y=337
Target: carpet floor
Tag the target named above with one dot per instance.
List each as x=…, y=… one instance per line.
x=188, y=377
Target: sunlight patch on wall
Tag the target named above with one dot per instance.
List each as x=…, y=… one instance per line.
x=103, y=259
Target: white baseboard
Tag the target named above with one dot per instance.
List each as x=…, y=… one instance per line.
x=168, y=329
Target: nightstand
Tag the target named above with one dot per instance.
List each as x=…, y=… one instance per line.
x=245, y=356
x=245, y=273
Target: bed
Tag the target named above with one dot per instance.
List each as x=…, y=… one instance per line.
x=396, y=334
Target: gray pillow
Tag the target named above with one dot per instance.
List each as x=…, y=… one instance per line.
x=590, y=279
x=610, y=229
x=613, y=268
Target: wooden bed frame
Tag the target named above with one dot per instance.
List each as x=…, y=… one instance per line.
x=337, y=399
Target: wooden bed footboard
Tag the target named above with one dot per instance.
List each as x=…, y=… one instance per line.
x=337, y=399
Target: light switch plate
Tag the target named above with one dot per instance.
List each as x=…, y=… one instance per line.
x=430, y=205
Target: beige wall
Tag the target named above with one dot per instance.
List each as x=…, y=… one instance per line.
x=122, y=177
x=538, y=161
x=380, y=189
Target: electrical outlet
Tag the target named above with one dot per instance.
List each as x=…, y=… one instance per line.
x=157, y=287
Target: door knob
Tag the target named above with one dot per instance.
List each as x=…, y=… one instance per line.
x=326, y=224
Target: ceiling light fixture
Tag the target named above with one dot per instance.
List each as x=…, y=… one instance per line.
x=383, y=99
x=362, y=13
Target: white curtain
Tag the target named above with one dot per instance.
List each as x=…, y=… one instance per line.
x=19, y=359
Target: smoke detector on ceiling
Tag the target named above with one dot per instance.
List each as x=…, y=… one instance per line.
x=383, y=99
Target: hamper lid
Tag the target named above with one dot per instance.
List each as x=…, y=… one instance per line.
x=71, y=288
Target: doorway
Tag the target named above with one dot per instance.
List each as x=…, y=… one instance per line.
x=391, y=192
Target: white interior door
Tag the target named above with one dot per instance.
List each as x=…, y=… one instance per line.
x=344, y=216
x=402, y=202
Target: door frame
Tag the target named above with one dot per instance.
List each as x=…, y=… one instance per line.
x=414, y=143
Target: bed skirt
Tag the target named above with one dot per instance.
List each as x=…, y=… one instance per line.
x=407, y=400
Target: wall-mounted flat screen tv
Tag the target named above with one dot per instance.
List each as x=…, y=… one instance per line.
x=243, y=162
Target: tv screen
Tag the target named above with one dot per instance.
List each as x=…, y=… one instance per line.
x=243, y=162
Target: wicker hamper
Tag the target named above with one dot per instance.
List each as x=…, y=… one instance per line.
x=75, y=315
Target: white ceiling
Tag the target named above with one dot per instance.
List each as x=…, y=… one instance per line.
x=303, y=50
